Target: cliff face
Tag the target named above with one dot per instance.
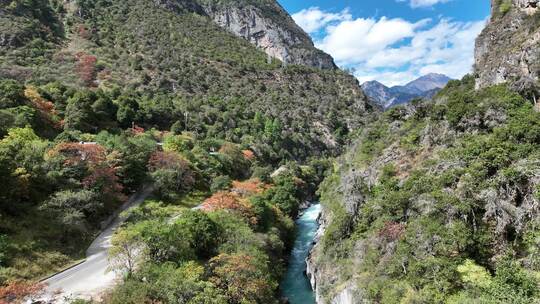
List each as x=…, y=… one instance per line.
x=267, y=25
x=507, y=50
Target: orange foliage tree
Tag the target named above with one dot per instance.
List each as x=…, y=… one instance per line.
x=248, y=155
x=243, y=278
x=249, y=187
x=230, y=202
x=45, y=107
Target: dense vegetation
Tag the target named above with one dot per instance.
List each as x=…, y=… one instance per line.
x=186, y=69
x=438, y=202
x=61, y=184
x=101, y=98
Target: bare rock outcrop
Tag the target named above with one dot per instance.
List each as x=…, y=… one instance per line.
x=271, y=29
x=507, y=50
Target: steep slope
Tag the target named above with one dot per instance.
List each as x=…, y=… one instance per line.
x=174, y=48
x=424, y=87
x=507, y=51
x=267, y=25
x=438, y=202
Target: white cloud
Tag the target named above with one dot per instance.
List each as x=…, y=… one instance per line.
x=396, y=51
x=423, y=3
x=355, y=41
x=313, y=19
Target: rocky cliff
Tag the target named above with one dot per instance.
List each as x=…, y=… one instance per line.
x=268, y=26
x=507, y=50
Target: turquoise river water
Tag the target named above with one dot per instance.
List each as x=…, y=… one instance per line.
x=295, y=285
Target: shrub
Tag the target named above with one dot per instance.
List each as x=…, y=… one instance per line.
x=505, y=6
x=221, y=183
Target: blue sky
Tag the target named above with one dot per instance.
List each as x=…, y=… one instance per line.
x=394, y=41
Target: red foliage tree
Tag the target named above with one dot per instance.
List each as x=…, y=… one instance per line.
x=20, y=292
x=77, y=153
x=102, y=169
x=83, y=31
x=166, y=160
x=177, y=173
x=86, y=68
x=136, y=130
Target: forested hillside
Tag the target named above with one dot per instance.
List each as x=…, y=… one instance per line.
x=99, y=98
x=437, y=202
x=181, y=63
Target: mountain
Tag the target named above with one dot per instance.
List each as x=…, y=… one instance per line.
x=424, y=87
x=202, y=100
x=193, y=49
x=437, y=202
x=267, y=25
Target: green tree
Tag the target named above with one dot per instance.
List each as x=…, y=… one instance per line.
x=22, y=171
x=163, y=243
x=127, y=110
x=73, y=210
x=243, y=278
x=79, y=113
x=178, y=143
x=202, y=233
x=220, y=183
x=4, y=245
x=11, y=94
x=128, y=251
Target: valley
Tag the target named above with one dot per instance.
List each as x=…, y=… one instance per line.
x=176, y=151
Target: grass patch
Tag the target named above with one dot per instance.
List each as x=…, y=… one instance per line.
x=192, y=199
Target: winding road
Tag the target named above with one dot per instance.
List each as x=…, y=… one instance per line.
x=89, y=278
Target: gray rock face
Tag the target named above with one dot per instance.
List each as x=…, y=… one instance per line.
x=286, y=42
x=507, y=50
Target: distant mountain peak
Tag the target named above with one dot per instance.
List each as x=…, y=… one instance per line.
x=423, y=87
x=429, y=82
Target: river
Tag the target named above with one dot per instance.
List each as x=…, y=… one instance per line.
x=295, y=285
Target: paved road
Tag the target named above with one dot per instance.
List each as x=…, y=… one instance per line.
x=91, y=277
